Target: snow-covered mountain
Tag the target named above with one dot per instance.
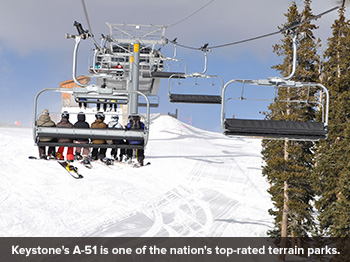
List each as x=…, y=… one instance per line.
x=199, y=183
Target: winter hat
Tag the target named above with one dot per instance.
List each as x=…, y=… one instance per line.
x=45, y=112
x=81, y=117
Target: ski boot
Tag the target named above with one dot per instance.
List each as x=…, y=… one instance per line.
x=78, y=157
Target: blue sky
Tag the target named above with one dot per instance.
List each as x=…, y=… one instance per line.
x=34, y=53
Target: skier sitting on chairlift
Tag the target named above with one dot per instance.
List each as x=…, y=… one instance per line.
x=99, y=153
x=45, y=120
x=114, y=153
x=135, y=124
x=81, y=123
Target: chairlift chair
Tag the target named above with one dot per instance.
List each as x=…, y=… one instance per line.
x=122, y=38
x=272, y=129
x=81, y=133
x=114, y=69
x=169, y=66
x=195, y=98
x=109, y=66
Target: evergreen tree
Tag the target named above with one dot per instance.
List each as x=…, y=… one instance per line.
x=333, y=159
x=288, y=164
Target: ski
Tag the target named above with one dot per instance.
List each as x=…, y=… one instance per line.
x=37, y=158
x=107, y=162
x=88, y=166
x=72, y=170
x=138, y=165
x=133, y=164
x=86, y=163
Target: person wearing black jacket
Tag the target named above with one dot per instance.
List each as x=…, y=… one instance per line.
x=81, y=123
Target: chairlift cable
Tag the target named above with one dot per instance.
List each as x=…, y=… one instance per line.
x=265, y=35
x=88, y=22
x=200, y=9
x=185, y=46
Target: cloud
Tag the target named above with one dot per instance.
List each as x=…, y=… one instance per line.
x=39, y=27
x=27, y=26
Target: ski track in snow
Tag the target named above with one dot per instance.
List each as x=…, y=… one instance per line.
x=199, y=184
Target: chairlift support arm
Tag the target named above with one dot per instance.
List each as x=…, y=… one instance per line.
x=75, y=53
x=294, y=39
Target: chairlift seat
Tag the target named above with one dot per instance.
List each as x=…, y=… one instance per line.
x=275, y=129
x=160, y=74
x=196, y=99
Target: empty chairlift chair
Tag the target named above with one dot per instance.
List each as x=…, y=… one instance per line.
x=211, y=95
x=280, y=129
x=165, y=67
x=215, y=85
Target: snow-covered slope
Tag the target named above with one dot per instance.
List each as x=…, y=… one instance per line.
x=199, y=183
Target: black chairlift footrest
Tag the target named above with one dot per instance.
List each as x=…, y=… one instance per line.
x=275, y=129
x=195, y=99
x=150, y=105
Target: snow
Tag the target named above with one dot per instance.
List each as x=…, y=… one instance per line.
x=199, y=184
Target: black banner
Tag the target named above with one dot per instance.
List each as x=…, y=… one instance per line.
x=172, y=249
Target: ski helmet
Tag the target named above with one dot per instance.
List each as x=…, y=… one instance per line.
x=116, y=117
x=65, y=114
x=100, y=115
